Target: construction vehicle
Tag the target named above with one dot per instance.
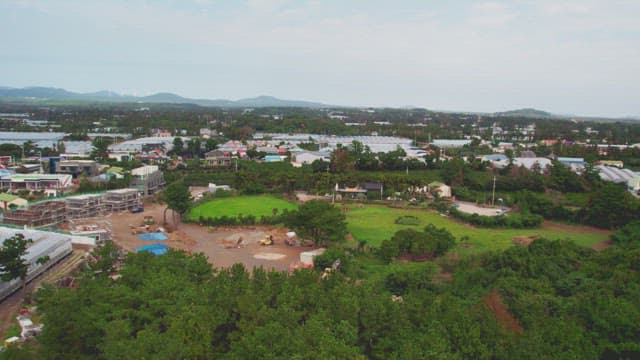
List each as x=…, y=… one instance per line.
x=334, y=267
x=291, y=239
x=267, y=240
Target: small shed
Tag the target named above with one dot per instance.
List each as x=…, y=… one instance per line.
x=273, y=158
x=440, y=189
x=374, y=187
x=633, y=184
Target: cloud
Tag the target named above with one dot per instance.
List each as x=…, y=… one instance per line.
x=491, y=14
x=484, y=54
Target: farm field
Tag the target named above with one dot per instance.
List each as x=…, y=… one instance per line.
x=376, y=223
x=257, y=206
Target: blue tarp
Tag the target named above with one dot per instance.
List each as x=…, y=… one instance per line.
x=157, y=236
x=156, y=249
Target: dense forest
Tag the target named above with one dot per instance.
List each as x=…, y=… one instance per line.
x=552, y=299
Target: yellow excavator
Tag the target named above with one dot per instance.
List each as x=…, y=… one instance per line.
x=267, y=240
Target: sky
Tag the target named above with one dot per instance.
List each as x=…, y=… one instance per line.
x=567, y=57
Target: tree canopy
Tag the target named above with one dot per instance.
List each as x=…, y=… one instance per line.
x=431, y=242
x=12, y=263
x=547, y=300
x=319, y=221
x=178, y=197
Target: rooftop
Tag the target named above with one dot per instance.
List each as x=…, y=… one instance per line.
x=30, y=136
x=614, y=174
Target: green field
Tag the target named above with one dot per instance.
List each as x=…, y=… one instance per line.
x=257, y=206
x=376, y=223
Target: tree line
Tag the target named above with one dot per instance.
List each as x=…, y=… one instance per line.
x=548, y=300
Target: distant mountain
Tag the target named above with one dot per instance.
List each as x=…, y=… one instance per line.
x=37, y=92
x=528, y=112
x=165, y=98
x=104, y=94
x=48, y=93
x=270, y=101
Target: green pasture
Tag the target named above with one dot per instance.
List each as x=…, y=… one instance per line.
x=257, y=206
x=376, y=223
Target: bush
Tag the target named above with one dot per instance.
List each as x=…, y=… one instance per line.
x=332, y=254
x=407, y=220
x=224, y=193
x=421, y=245
x=510, y=221
x=242, y=220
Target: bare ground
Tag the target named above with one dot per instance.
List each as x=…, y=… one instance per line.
x=602, y=245
x=224, y=246
x=493, y=301
x=581, y=229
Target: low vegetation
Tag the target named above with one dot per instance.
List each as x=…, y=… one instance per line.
x=407, y=220
x=257, y=206
x=375, y=223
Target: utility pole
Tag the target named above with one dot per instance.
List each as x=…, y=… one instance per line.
x=493, y=195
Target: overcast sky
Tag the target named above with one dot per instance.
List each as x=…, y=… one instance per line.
x=569, y=57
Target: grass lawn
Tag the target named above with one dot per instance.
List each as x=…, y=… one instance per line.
x=375, y=223
x=257, y=206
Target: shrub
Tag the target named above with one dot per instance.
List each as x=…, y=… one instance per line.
x=510, y=221
x=332, y=254
x=419, y=244
x=407, y=220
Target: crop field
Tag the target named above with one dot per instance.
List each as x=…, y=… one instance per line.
x=377, y=223
x=257, y=206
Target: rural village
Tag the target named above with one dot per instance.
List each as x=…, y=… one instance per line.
x=231, y=196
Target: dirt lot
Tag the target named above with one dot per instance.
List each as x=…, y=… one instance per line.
x=219, y=244
x=472, y=208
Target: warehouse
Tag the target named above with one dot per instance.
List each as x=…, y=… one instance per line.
x=614, y=174
x=53, y=245
x=39, y=139
x=145, y=144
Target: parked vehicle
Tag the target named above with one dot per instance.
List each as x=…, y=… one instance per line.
x=137, y=209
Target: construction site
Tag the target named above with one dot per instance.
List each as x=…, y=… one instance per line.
x=84, y=206
x=55, y=212
x=121, y=200
x=43, y=214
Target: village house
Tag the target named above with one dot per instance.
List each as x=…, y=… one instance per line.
x=218, y=158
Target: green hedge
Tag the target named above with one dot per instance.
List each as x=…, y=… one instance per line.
x=243, y=220
x=511, y=221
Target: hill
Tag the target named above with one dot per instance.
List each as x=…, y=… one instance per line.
x=49, y=93
x=527, y=112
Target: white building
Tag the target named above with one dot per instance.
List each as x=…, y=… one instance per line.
x=615, y=175
x=147, y=179
x=51, y=183
x=308, y=157
x=529, y=163
x=53, y=245
x=40, y=139
x=450, y=143
x=145, y=144
x=633, y=184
